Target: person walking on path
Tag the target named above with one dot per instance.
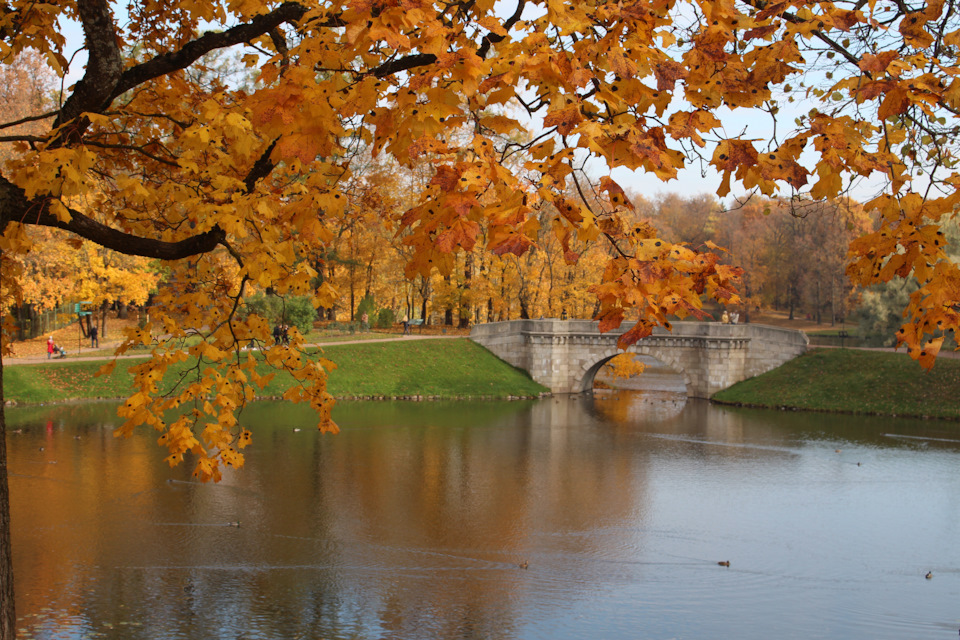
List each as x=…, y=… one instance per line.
x=94, y=340
x=49, y=347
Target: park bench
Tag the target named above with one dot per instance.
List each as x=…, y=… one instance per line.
x=416, y=322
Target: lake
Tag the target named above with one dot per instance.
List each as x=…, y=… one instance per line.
x=567, y=517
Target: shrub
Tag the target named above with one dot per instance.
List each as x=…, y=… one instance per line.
x=297, y=311
x=385, y=318
x=263, y=306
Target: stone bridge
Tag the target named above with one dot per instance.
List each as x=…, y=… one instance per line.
x=565, y=355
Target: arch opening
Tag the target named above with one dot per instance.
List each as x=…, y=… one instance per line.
x=657, y=394
x=658, y=377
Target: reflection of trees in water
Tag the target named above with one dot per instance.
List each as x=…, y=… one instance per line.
x=475, y=501
x=411, y=522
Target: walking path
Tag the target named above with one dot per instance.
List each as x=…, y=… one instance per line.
x=72, y=357
x=944, y=353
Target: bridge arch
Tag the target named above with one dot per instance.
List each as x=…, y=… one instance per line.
x=589, y=371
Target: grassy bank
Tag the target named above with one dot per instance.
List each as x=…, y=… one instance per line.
x=846, y=380
x=439, y=368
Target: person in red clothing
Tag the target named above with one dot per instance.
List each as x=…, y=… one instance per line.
x=49, y=347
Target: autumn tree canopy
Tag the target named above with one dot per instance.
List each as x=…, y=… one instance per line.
x=234, y=185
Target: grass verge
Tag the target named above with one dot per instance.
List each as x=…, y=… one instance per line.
x=852, y=381
x=439, y=368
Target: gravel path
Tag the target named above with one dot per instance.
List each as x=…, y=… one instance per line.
x=73, y=357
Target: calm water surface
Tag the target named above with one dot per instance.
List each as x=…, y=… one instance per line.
x=414, y=523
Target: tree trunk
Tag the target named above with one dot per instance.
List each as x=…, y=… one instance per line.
x=833, y=302
x=353, y=304
x=8, y=614
x=524, y=311
x=448, y=312
x=818, y=303
x=505, y=308
x=746, y=293
x=465, y=310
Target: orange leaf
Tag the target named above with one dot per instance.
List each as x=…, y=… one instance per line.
x=610, y=318
x=877, y=63
x=462, y=233
x=615, y=191
x=462, y=203
x=640, y=330
x=927, y=355
x=564, y=119
x=668, y=73
x=511, y=242
x=446, y=178
x=894, y=104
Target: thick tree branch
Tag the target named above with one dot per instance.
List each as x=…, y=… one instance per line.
x=403, y=64
x=105, y=78
x=261, y=168
x=16, y=207
x=104, y=68
x=191, y=52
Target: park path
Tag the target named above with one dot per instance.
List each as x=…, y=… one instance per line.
x=8, y=361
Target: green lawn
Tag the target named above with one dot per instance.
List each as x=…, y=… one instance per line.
x=445, y=368
x=60, y=380
x=848, y=380
x=441, y=368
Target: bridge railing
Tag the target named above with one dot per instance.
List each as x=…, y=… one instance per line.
x=555, y=326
